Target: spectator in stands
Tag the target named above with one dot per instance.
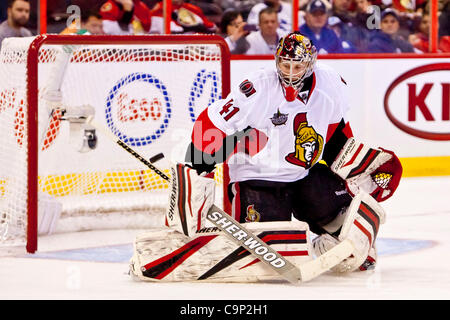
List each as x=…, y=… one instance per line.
x=363, y=10
x=283, y=9
x=243, y=6
x=125, y=17
x=186, y=18
x=402, y=6
x=3, y=9
x=341, y=9
x=91, y=23
x=420, y=39
x=232, y=28
x=18, y=13
x=355, y=32
x=315, y=28
x=340, y=29
x=444, y=19
x=409, y=14
x=387, y=39
x=265, y=40
x=211, y=9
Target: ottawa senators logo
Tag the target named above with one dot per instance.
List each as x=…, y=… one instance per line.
x=252, y=214
x=308, y=143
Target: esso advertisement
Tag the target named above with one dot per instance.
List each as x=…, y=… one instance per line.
x=149, y=106
x=141, y=106
x=138, y=109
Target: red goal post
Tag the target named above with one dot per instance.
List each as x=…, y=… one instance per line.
x=196, y=52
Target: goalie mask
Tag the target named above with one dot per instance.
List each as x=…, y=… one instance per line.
x=295, y=58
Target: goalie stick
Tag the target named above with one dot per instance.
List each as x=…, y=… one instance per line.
x=243, y=237
x=305, y=272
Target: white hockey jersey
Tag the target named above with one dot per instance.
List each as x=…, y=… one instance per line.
x=291, y=135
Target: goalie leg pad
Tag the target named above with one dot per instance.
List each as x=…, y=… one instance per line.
x=361, y=223
x=190, y=198
x=167, y=255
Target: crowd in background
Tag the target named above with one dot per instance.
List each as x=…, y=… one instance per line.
x=248, y=26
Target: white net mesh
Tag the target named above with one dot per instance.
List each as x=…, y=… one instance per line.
x=147, y=95
x=13, y=158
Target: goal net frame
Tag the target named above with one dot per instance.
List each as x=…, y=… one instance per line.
x=32, y=102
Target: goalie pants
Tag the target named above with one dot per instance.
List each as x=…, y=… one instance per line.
x=316, y=199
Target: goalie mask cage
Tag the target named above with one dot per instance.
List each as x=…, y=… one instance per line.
x=147, y=90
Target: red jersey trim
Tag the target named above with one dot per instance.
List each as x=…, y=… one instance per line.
x=204, y=131
x=347, y=130
x=313, y=85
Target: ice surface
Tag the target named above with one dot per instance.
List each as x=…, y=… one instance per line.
x=414, y=262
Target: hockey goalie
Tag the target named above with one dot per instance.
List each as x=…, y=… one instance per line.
x=300, y=180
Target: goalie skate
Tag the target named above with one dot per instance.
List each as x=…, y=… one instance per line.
x=167, y=255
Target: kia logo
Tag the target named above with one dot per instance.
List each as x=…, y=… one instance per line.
x=434, y=111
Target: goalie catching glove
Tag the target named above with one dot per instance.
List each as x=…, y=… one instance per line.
x=375, y=171
x=191, y=196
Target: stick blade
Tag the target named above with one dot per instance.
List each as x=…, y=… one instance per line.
x=325, y=262
x=293, y=275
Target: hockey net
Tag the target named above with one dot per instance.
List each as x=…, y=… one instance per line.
x=147, y=90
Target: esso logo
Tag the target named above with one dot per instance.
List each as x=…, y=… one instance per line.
x=418, y=102
x=204, y=91
x=138, y=109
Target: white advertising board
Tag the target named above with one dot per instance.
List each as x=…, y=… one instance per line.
x=144, y=104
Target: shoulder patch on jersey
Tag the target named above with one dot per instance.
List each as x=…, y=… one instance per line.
x=247, y=88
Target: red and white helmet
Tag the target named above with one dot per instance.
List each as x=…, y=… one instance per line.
x=295, y=58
